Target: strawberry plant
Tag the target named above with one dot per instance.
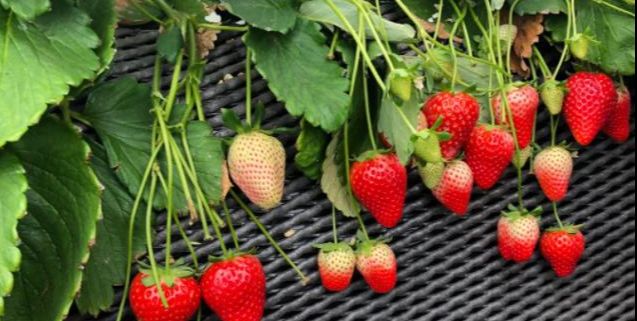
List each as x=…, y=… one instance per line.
x=91, y=166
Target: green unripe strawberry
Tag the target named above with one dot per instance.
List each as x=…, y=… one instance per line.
x=428, y=149
x=431, y=174
x=400, y=84
x=580, y=43
x=553, y=93
x=257, y=165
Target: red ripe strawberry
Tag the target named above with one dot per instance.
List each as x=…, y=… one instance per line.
x=336, y=263
x=523, y=103
x=618, y=125
x=182, y=295
x=235, y=288
x=589, y=102
x=563, y=248
x=257, y=166
x=454, y=190
x=518, y=234
x=488, y=154
x=553, y=168
x=377, y=263
x=380, y=184
x=459, y=112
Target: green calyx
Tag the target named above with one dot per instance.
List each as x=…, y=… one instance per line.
x=515, y=213
x=167, y=276
x=553, y=94
x=427, y=143
x=334, y=247
x=401, y=84
x=230, y=255
x=580, y=45
x=431, y=174
x=570, y=229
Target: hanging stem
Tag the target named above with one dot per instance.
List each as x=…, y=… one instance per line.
x=149, y=240
x=441, y=6
x=557, y=215
x=372, y=27
x=334, y=229
x=269, y=237
x=333, y=45
x=368, y=115
x=249, y=86
x=222, y=28
x=565, y=51
x=235, y=238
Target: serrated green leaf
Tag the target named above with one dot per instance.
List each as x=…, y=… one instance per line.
x=333, y=185
x=40, y=61
x=107, y=264
x=103, y=23
x=279, y=15
x=423, y=9
x=208, y=156
x=319, y=11
x=310, y=147
x=300, y=75
x=63, y=208
x=120, y=113
x=394, y=127
x=27, y=9
x=170, y=43
x=532, y=7
x=614, y=34
x=13, y=205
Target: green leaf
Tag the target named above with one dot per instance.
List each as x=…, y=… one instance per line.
x=614, y=34
x=120, y=113
x=208, y=156
x=423, y=9
x=103, y=22
x=333, y=185
x=497, y=4
x=310, y=148
x=269, y=15
x=170, y=43
x=470, y=72
x=300, y=75
x=395, y=128
x=27, y=9
x=533, y=7
x=107, y=265
x=13, y=206
x=319, y=11
x=63, y=207
x=40, y=61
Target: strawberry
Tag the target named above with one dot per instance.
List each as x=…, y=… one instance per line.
x=459, y=113
x=553, y=168
x=336, y=262
x=618, y=125
x=488, y=154
x=563, y=248
x=257, y=166
x=376, y=261
x=523, y=103
x=518, y=234
x=431, y=174
x=180, y=290
x=379, y=182
x=552, y=93
x=454, y=190
x=589, y=102
x=235, y=288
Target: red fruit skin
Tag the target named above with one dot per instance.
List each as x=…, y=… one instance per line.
x=459, y=112
x=618, y=125
x=488, y=154
x=563, y=251
x=523, y=103
x=380, y=184
x=454, y=190
x=183, y=299
x=518, y=238
x=379, y=268
x=336, y=269
x=590, y=99
x=553, y=168
x=235, y=289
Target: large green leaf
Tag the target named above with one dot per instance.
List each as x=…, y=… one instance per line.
x=13, y=205
x=120, y=113
x=613, y=31
x=27, y=9
x=396, y=129
x=423, y=9
x=299, y=73
x=531, y=7
x=207, y=157
x=40, y=60
x=107, y=264
x=103, y=22
x=269, y=15
x=63, y=208
x=318, y=10
x=310, y=148
x=334, y=185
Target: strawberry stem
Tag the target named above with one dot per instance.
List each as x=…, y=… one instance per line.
x=248, y=74
x=331, y=53
x=368, y=115
x=441, y=6
x=381, y=45
x=510, y=40
x=233, y=232
x=557, y=216
x=334, y=229
x=211, y=26
x=149, y=239
x=269, y=237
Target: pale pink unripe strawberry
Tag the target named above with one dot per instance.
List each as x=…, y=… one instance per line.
x=257, y=165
